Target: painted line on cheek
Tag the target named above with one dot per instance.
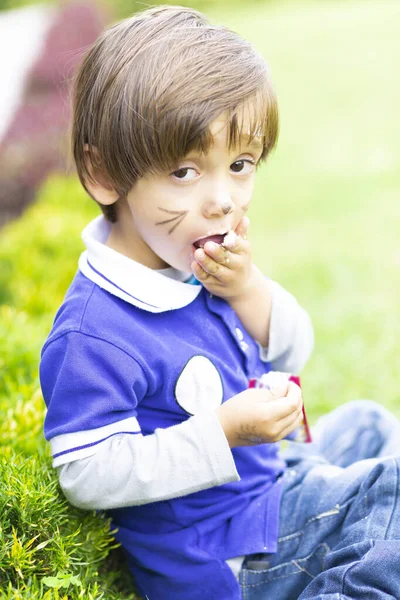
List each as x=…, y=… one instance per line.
x=178, y=218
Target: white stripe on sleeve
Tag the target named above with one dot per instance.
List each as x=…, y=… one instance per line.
x=81, y=444
x=129, y=470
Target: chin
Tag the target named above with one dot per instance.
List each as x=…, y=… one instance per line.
x=177, y=260
x=181, y=265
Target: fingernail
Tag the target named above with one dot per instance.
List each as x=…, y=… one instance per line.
x=199, y=254
x=211, y=246
x=275, y=391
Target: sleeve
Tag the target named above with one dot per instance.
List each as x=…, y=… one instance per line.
x=172, y=462
x=93, y=391
x=291, y=336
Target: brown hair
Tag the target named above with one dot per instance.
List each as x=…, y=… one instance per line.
x=150, y=86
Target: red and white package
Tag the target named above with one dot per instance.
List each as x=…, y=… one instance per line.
x=276, y=380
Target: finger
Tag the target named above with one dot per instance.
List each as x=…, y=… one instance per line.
x=199, y=272
x=235, y=243
x=230, y=240
x=281, y=407
x=291, y=425
x=243, y=227
x=291, y=398
x=294, y=390
x=278, y=429
x=287, y=424
x=294, y=395
x=279, y=390
x=292, y=417
x=276, y=392
x=219, y=253
x=209, y=265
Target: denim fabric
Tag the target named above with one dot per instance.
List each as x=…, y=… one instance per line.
x=339, y=531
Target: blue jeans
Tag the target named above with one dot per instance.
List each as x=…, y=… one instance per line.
x=339, y=536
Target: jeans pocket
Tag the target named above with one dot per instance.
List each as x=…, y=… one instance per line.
x=285, y=581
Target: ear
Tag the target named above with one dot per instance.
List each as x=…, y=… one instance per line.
x=99, y=187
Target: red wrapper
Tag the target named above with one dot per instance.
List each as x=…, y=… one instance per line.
x=302, y=432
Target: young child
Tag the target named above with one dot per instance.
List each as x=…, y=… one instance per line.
x=146, y=370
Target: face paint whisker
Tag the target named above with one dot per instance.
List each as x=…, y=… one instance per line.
x=168, y=220
x=179, y=216
x=172, y=212
x=178, y=223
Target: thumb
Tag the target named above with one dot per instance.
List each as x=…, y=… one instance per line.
x=276, y=382
x=279, y=391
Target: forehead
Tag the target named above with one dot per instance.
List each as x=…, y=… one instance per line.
x=220, y=131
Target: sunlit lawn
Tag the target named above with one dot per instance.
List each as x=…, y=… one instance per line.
x=326, y=216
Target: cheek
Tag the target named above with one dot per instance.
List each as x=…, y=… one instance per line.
x=244, y=194
x=144, y=225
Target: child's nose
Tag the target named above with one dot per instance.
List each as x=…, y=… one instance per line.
x=218, y=205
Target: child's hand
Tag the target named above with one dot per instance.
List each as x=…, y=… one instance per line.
x=225, y=270
x=258, y=416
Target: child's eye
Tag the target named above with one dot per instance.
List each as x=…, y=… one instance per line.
x=243, y=166
x=185, y=174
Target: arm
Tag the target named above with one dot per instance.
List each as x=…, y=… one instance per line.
x=254, y=305
x=269, y=313
x=92, y=390
x=134, y=470
x=126, y=471
x=291, y=335
x=275, y=319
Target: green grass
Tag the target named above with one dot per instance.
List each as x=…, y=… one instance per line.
x=326, y=213
x=323, y=224
x=48, y=550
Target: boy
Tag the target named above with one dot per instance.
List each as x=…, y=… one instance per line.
x=146, y=371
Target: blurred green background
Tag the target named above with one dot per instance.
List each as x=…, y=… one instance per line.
x=325, y=222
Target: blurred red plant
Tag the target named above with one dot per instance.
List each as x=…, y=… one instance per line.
x=36, y=140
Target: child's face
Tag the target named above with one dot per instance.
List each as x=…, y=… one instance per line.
x=166, y=216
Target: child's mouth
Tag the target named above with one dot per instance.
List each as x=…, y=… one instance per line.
x=217, y=239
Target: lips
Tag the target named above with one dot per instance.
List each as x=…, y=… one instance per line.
x=217, y=239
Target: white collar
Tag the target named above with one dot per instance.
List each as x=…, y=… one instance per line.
x=130, y=280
